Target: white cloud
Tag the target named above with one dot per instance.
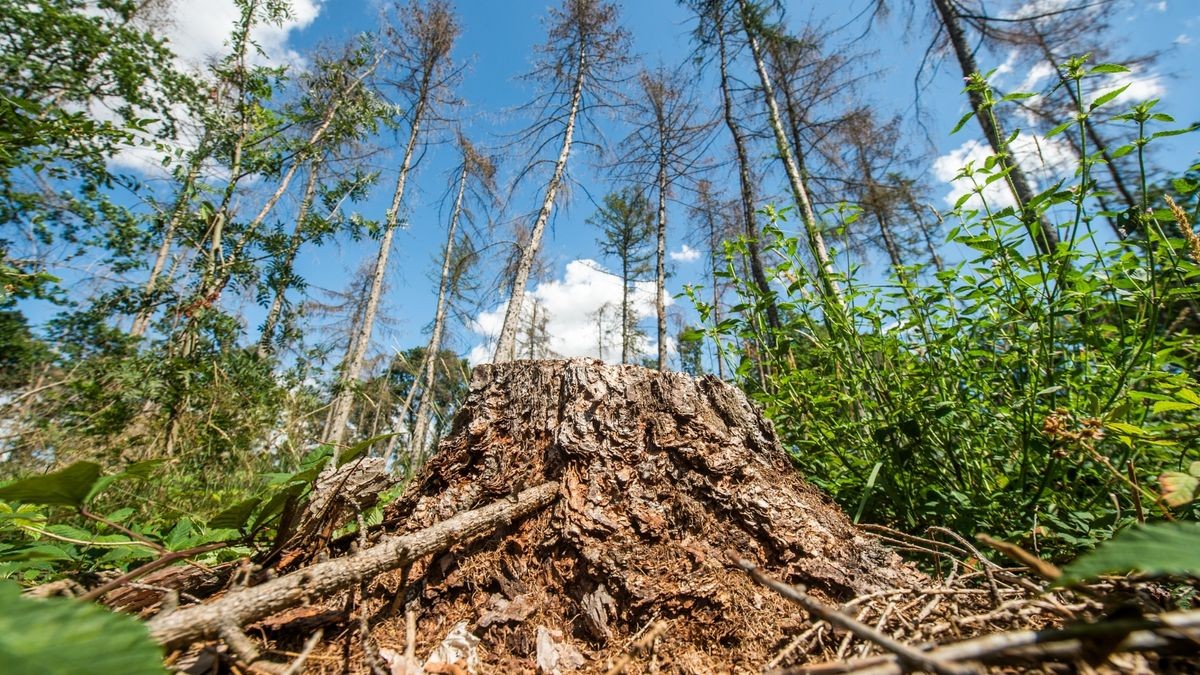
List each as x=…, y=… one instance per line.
x=686, y=254
x=198, y=31
x=1183, y=39
x=1043, y=160
x=572, y=309
x=1161, y=6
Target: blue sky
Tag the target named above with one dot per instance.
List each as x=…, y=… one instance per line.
x=497, y=44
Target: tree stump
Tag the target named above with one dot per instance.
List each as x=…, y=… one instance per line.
x=662, y=477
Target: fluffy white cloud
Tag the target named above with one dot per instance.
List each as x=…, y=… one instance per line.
x=686, y=254
x=577, y=308
x=198, y=31
x=1041, y=159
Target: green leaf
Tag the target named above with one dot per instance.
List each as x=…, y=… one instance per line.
x=68, y=487
x=1107, y=96
x=66, y=636
x=962, y=121
x=1059, y=129
x=1170, y=406
x=1158, y=548
x=1108, y=68
x=235, y=517
x=358, y=449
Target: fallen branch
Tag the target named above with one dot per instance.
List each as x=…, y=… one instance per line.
x=1163, y=632
x=322, y=580
x=910, y=656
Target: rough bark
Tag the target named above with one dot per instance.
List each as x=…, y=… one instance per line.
x=661, y=476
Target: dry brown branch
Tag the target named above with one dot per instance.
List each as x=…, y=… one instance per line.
x=325, y=579
x=1176, y=631
x=904, y=653
x=1043, y=569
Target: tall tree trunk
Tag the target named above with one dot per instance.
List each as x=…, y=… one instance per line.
x=747, y=187
x=1044, y=236
x=289, y=259
x=506, y=345
x=314, y=140
x=142, y=320
x=625, y=281
x=816, y=240
x=660, y=279
x=433, y=350
x=339, y=412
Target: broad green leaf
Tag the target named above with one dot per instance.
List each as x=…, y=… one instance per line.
x=63, y=636
x=1158, y=548
x=1127, y=429
x=68, y=487
x=1109, y=68
x=1107, y=96
x=235, y=517
x=1171, y=406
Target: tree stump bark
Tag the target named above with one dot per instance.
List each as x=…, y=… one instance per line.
x=662, y=477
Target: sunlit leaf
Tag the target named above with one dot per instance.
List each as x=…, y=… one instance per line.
x=1158, y=548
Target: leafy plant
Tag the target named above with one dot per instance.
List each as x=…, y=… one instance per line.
x=61, y=635
x=1037, y=394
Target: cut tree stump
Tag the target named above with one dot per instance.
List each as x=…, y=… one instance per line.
x=663, y=480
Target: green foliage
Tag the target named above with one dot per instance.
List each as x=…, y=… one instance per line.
x=66, y=636
x=1158, y=548
x=1016, y=393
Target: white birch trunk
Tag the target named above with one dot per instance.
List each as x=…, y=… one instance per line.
x=506, y=345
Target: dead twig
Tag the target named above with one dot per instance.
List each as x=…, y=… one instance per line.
x=906, y=654
x=642, y=645
x=1163, y=632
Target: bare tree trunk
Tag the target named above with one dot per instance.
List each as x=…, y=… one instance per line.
x=433, y=350
x=1044, y=236
x=273, y=314
x=142, y=320
x=660, y=261
x=506, y=345
x=816, y=240
x=339, y=412
x=747, y=187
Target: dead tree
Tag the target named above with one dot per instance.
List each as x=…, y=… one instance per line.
x=753, y=24
x=479, y=170
x=715, y=33
x=670, y=133
x=421, y=45
x=580, y=64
